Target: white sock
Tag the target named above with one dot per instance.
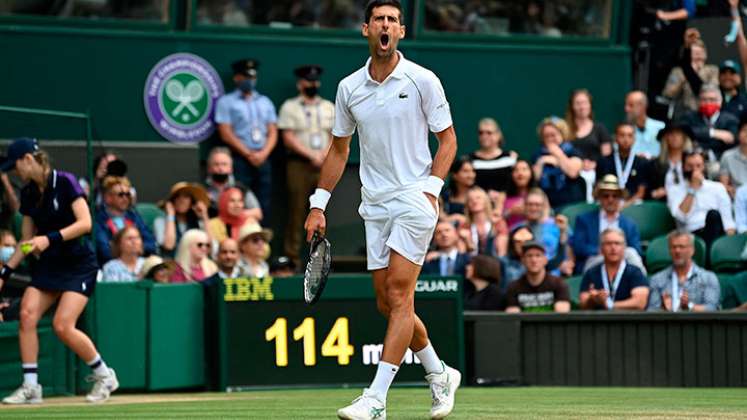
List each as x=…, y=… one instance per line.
x=98, y=366
x=429, y=359
x=30, y=377
x=383, y=380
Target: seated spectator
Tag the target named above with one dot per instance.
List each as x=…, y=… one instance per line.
x=114, y=214
x=522, y=180
x=552, y=233
x=511, y=266
x=483, y=232
x=186, y=208
x=220, y=177
x=590, y=138
x=281, y=267
x=254, y=246
x=585, y=239
x=8, y=245
x=192, y=258
x=646, y=128
x=700, y=206
x=492, y=164
x=156, y=269
x=232, y=216
x=630, y=170
x=127, y=250
x=667, y=169
x=481, y=293
x=730, y=81
x=454, y=198
x=740, y=209
x=557, y=165
x=684, y=286
x=227, y=262
x=679, y=90
x=714, y=130
x=446, y=260
x=734, y=163
x=536, y=290
x=614, y=284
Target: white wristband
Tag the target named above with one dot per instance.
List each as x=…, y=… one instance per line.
x=319, y=199
x=433, y=186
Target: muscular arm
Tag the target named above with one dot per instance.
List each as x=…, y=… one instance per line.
x=447, y=147
x=334, y=163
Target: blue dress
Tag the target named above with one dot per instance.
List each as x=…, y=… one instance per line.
x=69, y=265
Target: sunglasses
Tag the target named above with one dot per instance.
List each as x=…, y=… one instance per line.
x=255, y=239
x=202, y=244
x=123, y=194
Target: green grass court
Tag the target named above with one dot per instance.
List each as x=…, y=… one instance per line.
x=408, y=403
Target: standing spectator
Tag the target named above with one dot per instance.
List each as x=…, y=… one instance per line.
x=614, y=284
x=127, y=250
x=714, y=130
x=701, y=206
x=536, y=290
x=492, y=164
x=646, y=128
x=522, y=181
x=483, y=232
x=557, y=165
x=186, y=208
x=246, y=122
x=684, y=286
x=114, y=214
x=220, y=177
x=730, y=81
x=306, y=121
x=734, y=163
x=446, y=260
x=667, y=169
x=630, y=169
x=590, y=138
x=453, y=199
x=677, y=88
x=253, y=244
x=192, y=258
x=232, y=216
x=585, y=239
x=481, y=293
x=552, y=233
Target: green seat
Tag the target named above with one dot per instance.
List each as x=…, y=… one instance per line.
x=149, y=212
x=658, y=258
x=723, y=282
x=734, y=292
x=574, y=289
x=652, y=218
x=17, y=224
x=571, y=211
x=726, y=253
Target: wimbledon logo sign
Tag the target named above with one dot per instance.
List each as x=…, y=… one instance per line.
x=180, y=94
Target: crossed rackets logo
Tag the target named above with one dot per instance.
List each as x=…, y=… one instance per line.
x=184, y=98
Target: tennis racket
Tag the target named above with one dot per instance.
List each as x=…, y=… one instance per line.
x=317, y=269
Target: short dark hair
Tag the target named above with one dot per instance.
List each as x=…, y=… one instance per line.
x=696, y=152
x=378, y=3
x=624, y=124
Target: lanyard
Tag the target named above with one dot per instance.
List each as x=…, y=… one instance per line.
x=307, y=112
x=676, y=292
x=623, y=174
x=606, y=282
x=476, y=236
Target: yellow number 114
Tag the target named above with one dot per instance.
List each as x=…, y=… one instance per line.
x=337, y=344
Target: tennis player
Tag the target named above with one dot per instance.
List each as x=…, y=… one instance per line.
x=63, y=267
x=393, y=103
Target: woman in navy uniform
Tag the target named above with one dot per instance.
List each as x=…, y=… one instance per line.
x=56, y=219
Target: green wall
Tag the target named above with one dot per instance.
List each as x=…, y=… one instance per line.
x=104, y=71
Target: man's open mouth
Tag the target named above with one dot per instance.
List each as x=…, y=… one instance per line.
x=384, y=40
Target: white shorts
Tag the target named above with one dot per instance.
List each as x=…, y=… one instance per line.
x=404, y=223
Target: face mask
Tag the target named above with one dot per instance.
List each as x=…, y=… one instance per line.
x=310, y=91
x=6, y=252
x=219, y=178
x=687, y=174
x=248, y=85
x=709, y=109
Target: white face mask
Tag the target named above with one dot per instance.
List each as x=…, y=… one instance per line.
x=6, y=252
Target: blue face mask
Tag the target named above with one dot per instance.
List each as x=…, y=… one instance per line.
x=6, y=252
x=248, y=85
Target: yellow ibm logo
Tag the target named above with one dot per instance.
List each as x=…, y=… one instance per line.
x=244, y=289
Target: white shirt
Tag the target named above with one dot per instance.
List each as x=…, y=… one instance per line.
x=393, y=119
x=710, y=196
x=605, y=223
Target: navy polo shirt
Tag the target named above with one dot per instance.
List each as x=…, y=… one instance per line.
x=632, y=277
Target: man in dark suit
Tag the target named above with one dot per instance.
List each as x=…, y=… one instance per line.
x=585, y=240
x=446, y=260
x=715, y=130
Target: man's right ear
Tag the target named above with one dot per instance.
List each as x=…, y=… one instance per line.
x=364, y=30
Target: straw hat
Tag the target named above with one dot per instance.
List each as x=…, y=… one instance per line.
x=197, y=192
x=151, y=264
x=609, y=183
x=250, y=229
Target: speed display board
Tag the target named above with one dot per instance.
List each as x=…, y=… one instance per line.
x=269, y=336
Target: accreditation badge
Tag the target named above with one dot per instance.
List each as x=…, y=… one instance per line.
x=315, y=141
x=256, y=135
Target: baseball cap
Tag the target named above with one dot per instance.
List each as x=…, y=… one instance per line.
x=246, y=66
x=18, y=149
x=311, y=72
x=730, y=65
x=526, y=246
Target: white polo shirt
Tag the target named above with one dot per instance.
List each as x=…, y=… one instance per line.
x=393, y=119
x=710, y=196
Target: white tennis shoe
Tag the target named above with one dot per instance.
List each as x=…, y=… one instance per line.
x=443, y=388
x=103, y=386
x=365, y=407
x=25, y=394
